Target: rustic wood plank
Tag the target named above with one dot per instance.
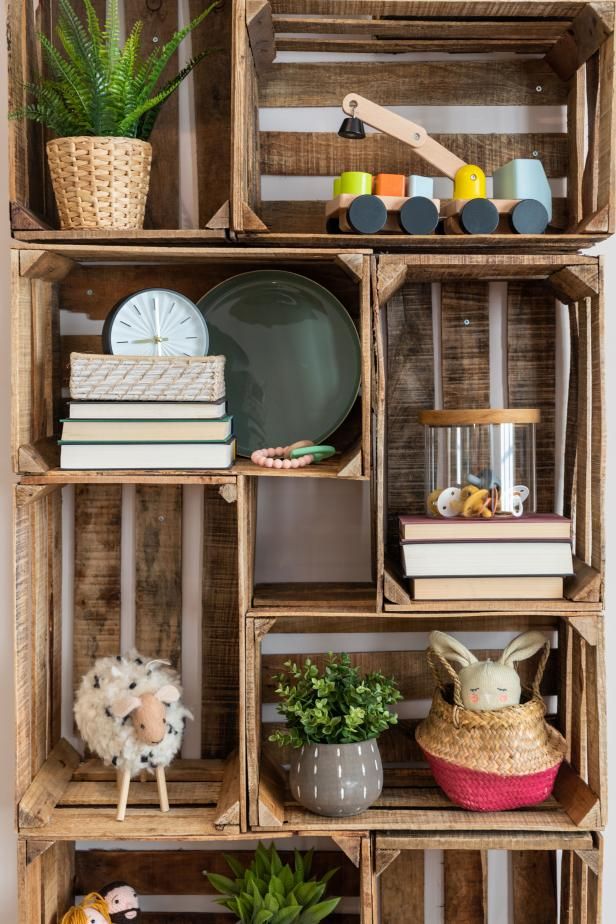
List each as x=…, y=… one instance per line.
x=424, y=9
x=54, y=558
x=583, y=495
x=536, y=30
x=96, y=625
x=465, y=344
x=576, y=115
x=465, y=873
x=598, y=430
x=240, y=53
x=180, y=872
x=39, y=666
x=220, y=627
x=606, y=180
x=591, y=167
x=534, y=887
x=260, y=25
x=158, y=572
x=326, y=154
x=596, y=721
x=212, y=93
x=160, y=21
x=23, y=650
x=410, y=388
x=531, y=335
x=402, y=888
x=588, y=31
x=46, y=789
x=395, y=84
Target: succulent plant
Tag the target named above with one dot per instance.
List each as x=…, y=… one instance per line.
x=270, y=892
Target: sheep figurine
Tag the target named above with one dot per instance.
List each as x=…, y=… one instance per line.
x=489, y=684
x=128, y=711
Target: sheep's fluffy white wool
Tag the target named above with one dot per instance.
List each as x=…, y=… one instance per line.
x=114, y=739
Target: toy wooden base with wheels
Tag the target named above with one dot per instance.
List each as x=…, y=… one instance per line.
x=522, y=202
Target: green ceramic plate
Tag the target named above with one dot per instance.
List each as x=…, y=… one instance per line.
x=293, y=357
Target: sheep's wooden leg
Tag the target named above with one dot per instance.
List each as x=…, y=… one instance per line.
x=163, y=798
x=124, y=784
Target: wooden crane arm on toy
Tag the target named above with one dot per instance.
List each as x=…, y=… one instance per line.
x=383, y=120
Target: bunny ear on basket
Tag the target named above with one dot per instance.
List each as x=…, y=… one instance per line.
x=449, y=647
x=523, y=647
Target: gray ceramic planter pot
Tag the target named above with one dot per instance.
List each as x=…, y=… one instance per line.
x=337, y=779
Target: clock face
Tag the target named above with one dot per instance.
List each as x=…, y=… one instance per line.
x=156, y=322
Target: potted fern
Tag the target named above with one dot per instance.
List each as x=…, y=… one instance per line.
x=268, y=892
x=101, y=100
x=333, y=720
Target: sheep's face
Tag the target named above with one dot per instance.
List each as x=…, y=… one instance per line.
x=148, y=712
x=149, y=719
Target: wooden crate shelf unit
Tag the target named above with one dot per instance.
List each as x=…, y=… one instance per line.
x=570, y=69
x=56, y=874
x=539, y=876
x=411, y=801
x=435, y=342
x=107, y=529
x=53, y=289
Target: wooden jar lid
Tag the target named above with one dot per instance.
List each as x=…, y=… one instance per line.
x=461, y=417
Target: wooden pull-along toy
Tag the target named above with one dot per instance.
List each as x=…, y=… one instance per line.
x=520, y=187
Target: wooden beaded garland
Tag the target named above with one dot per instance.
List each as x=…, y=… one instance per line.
x=281, y=456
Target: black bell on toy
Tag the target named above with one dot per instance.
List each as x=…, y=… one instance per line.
x=352, y=127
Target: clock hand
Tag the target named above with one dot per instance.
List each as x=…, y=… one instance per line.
x=157, y=337
x=152, y=340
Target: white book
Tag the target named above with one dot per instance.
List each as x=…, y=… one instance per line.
x=154, y=410
x=486, y=559
x=180, y=456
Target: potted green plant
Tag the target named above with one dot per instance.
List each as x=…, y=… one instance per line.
x=270, y=892
x=101, y=100
x=333, y=721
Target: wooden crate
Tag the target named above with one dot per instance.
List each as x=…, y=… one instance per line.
x=53, y=875
x=123, y=571
x=67, y=281
x=539, y=878
x=395, y=644
x=572, y=66
x=33, y=211
x=437, y=310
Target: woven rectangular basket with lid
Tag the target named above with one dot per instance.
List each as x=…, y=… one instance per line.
x=492, y=760
x=97, y=377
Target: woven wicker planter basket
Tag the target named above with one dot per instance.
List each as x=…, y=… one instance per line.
x=494, y=760
x=96, y=377
x=100, y=182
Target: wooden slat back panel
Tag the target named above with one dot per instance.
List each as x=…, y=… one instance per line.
x=180, y=872
x=96, y=621
x=160, y=21
x=583, y=507
x=598, y=434
x=395, y=84
x=38, y=553
x=571, y=433
x=410, y=388
x=531, y=372
x=465, y=344
x=220, y=632
x=212, y=115
x=402, y=888
x=534, y=887
x=158, y=578
x=465, y=886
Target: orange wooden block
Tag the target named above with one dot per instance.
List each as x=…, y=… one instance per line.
x=389, y=184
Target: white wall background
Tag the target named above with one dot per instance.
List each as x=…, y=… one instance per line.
x=336, y=550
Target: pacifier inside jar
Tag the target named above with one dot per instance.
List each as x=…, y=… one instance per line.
x=480, y=463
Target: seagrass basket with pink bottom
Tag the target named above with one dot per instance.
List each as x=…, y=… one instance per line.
x=493, y=760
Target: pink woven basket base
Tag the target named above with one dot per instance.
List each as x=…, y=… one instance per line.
x=489, y=792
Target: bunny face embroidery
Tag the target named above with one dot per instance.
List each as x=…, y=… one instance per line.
x=488, y=685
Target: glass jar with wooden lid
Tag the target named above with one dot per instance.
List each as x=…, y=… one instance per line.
x=480, y=462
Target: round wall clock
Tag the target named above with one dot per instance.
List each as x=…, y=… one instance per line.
x=156, y=322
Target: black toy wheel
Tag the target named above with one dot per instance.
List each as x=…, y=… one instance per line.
x=367, y=215
x=419, y=215
x=332, y=225
x=529, y=217
x=479, y=216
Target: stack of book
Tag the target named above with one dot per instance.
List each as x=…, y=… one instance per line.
x=147, y=435
x=504, y=558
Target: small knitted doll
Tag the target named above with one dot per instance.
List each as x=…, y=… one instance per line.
x=122, y=902
x=92, y=910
